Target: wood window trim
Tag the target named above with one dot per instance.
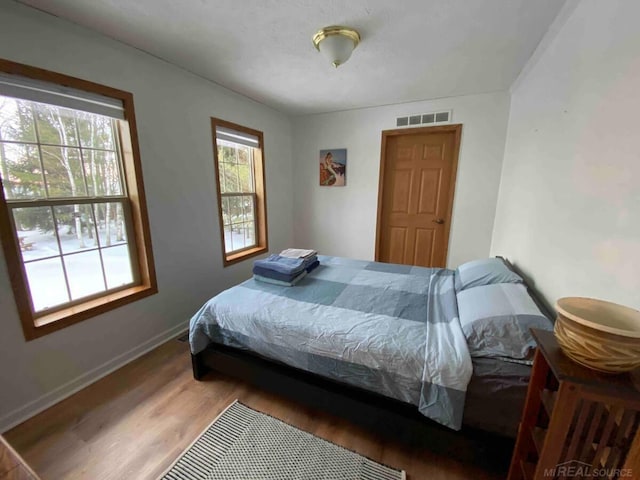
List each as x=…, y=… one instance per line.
x=262, y=235
x=35, y=327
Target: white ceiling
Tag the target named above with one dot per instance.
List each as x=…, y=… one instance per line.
x=410, y=49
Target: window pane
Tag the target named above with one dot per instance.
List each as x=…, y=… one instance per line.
x=117, y=266
x=56, y=125
x=238, y=236
x=249, y=234
x=63, y=172
x=244, y=176
x=239, y=223
x=111, y=223
x=229, y=180
x=95, y=131
x=226, y=216
x=46, y=283
x=235, y=209
x=16, y=120
x=84, y=272
x=103, y=173
x=244, y=155
x=21, y=171
x=228, y=239
x=247, y=204
x=221, y=185
x=76, y=229
x=226, y=154
x=36, y=234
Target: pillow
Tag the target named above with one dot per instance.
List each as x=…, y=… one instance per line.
x=484, y=272
x=496, y=320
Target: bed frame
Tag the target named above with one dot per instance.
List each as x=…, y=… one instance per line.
x=383, y=416
x=365, y=408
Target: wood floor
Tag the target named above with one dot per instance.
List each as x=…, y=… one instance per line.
x=12, y=467
x=134, y=423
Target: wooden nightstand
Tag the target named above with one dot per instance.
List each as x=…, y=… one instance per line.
x=576, y=420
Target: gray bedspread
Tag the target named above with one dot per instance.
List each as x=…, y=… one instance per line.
x=392, y=329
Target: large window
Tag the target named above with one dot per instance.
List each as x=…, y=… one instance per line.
x=239, y=162
x=74, y=224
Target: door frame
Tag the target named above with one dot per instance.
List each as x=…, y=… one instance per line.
x=457, y=130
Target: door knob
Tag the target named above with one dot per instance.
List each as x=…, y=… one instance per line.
x=439, y=221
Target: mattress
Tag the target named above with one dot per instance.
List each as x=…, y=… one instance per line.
x=391, y=329
x=496, y=395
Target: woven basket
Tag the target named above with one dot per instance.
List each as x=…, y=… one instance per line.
x=600, y=335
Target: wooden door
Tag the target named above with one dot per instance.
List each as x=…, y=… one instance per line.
x=415, y=196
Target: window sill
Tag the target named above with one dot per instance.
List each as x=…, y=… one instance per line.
x=243, y=255
x=63, y=318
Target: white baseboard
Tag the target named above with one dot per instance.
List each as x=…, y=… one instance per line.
x=36, y=406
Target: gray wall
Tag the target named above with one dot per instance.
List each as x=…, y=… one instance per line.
x=173, y=109
x=342, y=220
x=569, y=205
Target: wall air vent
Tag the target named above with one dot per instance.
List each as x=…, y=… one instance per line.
x=435, y=118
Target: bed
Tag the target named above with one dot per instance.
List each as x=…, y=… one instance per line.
x=384, y=332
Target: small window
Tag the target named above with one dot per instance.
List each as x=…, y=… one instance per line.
x=75, y=231
x=239, y=161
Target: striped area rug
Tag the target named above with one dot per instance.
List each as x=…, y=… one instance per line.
x=243, y=444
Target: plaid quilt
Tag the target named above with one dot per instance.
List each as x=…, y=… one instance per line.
x=392, y=329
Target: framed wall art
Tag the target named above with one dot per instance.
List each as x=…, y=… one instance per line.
x=333, y=167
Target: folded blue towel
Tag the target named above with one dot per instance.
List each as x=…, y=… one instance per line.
x=284, y=265
x=310, y=261
x=288, y=266
x=273, y=281
x=283, y=277
x=266, y=272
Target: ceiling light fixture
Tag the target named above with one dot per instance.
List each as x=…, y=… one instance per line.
x=336, y=43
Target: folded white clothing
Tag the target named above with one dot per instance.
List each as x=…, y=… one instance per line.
x=297, y=253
